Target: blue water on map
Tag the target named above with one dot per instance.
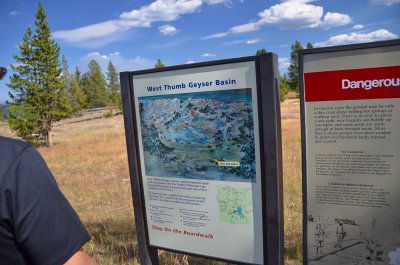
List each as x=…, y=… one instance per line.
x=195, y=135
x=239, y=211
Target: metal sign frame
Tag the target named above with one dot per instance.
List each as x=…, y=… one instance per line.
x=267, y=76
x=359, y=49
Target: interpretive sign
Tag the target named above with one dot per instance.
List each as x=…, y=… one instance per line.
x=199, y=156
x=351, y=153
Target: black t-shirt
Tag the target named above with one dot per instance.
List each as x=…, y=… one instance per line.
x=37, y=224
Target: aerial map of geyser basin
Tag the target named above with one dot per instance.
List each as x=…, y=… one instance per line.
x=207, y=135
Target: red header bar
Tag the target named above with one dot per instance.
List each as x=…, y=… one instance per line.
x=367, y=83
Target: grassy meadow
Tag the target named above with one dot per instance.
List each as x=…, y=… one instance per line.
x=89, y=161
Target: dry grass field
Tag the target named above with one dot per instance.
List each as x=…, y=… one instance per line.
x=292, y=185
x=89, y=161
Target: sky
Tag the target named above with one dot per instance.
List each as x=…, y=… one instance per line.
x=133, y=34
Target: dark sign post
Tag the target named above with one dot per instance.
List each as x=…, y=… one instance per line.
x=204, y=150
x=350, y=109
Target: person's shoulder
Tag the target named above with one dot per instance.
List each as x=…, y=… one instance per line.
x=11, y=151
x=11, y=148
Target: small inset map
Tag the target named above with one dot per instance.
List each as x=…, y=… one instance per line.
x=235, y=204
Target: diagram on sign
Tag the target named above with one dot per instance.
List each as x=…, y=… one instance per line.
x=235, y=204
x=207, y=135
x=348, y=242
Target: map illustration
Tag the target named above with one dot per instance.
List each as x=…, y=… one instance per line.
x=206, y=135
x=235, y=205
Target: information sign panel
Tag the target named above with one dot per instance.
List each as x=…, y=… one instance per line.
x=351, y=153
x=198, y=154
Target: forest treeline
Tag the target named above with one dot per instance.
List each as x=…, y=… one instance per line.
x=289, y=82
x=91, y=89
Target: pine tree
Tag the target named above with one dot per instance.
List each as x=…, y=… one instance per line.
x=84, y=82
x=64, y=66
x=293, y=71
x=283, y=86
x=309, y=45
x=37, y=92
x=75, y=94
x=113, y=85
x=2, y=115
x=79, y=86
x=159, y=64
x=78, y=98
x=261, y=51
x=78, y=75
x=95, y=87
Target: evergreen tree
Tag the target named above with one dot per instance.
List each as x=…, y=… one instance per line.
x=77, y=97
x=37, y=97
x=113, y=85
x=2, y=115
x=283, y=86
x=261, y=51
x=84, y=82
x=95, y=87
x=80, y=93
x=77, y=75
x=293, y=70
x=65, y=75
x=64, y=66
x=159, y=64
x=309, y=45
x=75, y=94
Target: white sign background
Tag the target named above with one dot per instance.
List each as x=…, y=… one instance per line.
x=372, y=234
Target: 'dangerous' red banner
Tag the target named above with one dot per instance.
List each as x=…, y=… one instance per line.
x=367, y=83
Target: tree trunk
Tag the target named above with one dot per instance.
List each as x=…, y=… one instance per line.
x=49, y=139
